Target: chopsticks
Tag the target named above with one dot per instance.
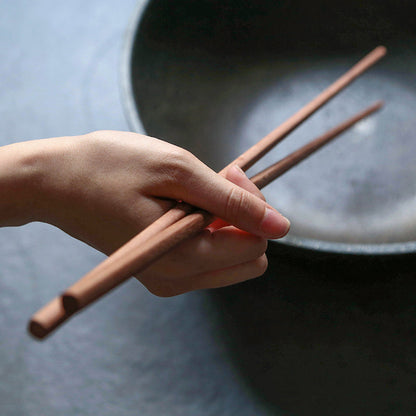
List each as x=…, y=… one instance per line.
x=183, y=221
x=276, y=170
x=256, y=152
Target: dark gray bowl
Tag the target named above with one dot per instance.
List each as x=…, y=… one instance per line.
x=215, y=76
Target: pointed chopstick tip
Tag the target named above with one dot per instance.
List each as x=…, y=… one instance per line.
x=381, y=50
x=378, y=105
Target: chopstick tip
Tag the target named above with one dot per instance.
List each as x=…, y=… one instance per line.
x=378, y=104
x=381, y=50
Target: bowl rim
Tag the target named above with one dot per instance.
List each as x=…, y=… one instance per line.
x=135, y=124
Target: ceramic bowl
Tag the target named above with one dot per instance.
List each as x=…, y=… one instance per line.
x=215, y=76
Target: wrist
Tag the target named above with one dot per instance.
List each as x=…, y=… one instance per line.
x=24, y=177
x=16, y=195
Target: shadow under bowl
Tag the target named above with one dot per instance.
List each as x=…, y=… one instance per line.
x=214, y=77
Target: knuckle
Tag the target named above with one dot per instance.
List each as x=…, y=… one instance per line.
x=100, y=134
x=175, y=165
x=236, y=201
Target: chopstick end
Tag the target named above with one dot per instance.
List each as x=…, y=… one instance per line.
x=36, y=330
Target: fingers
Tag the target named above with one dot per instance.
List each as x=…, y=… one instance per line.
x=210, y=280
x=239, y=207
x=236, y=175
x=212, y=259
x=198, y=185
x=208, y=251
x=226, y=277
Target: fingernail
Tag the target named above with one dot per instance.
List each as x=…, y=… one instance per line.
x=274, y=225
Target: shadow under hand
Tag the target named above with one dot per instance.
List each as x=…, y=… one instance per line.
x=324, y=334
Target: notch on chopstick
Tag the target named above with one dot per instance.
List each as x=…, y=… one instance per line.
x=135, y=254
x=44, y=322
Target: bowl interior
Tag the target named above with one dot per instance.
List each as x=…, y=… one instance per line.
x=216, y=76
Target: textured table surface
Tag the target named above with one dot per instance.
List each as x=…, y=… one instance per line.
x=315, y=336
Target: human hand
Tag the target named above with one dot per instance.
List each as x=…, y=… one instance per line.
x=105, y=187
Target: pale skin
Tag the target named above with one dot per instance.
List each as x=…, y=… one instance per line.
x=105, y=187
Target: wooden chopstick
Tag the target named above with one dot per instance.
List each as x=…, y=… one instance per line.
x=252, y=155
x=276, y=170
x=124, y=262
x=54, y=314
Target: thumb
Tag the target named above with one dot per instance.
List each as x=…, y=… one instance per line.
x=237, y=176
x=212, y=192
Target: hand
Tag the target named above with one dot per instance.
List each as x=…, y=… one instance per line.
x=105, y=187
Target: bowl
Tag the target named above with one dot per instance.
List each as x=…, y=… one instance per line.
x=215, y=76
